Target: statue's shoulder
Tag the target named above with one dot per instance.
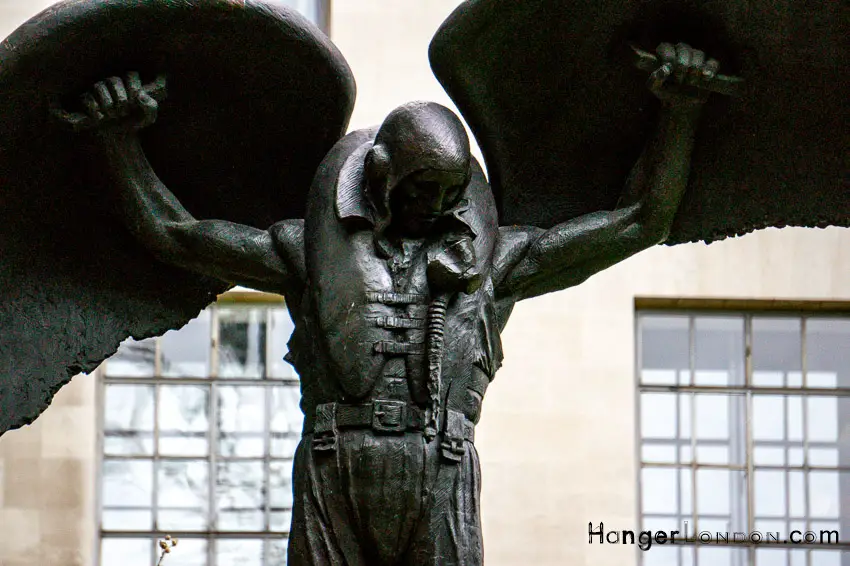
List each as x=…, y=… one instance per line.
x=337, y=186
x=341, y=154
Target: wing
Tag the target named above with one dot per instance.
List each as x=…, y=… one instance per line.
x=256, y=96
x=551, y=92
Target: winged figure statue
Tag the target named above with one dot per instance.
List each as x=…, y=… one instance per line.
x=155, y=153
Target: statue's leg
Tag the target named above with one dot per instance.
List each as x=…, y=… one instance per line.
x=359, y=504
x=320, y=535
x=450, y=531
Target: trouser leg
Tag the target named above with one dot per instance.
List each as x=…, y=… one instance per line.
x=318, y=537
x=449, y=533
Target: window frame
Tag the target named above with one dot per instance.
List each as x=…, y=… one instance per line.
x=237, y=299
x=747, y=310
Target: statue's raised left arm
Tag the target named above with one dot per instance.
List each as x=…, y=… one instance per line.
x=534, y=261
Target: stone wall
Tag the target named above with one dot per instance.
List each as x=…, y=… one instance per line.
x=47, y=483
x=557, y=438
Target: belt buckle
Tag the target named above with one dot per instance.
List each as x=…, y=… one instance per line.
x=389, y=416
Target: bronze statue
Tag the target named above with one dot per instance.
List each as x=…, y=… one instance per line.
x=399, y=251
x=401, y=263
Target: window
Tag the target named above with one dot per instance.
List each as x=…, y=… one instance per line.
x=745, y=427
x=317, y=11
x=199, y=429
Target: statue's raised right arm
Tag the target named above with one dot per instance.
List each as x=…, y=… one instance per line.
x=534, y=261
x=235, y=253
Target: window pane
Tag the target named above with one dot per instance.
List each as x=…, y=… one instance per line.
x=126, y=520
x=723, y=493
x=242, y=342
x=189, y=552
x=660, y=556
x=183, y=495
x=721, y=556
x=720, y=429
x=277, y=550
x=830, y=557
x=242, y=421
x=827, y=457
x=659, y=490
x=686, y=404
x=128, y=420
x=281, y=521
x=281, y=486
x=127, y=495
x=796, y=494
x=769, y=488
x=714, y=492
x=798, y=557
x=126, y=552
x=719, y=350
x=186, y=352
x=183, y=420
x=239, y=552
x=280, y=500
x=133, y=359
x=239, y=495
x=686, y=491
x=707, y=454
x=768, y=417
x=771, y=556
x=659, y=453
x=768, y=456
x=825, y=494
x=658, y=415
x=308, y=8
x=777, y=345
x=286, y=421
x=827, y=352
x=664, y=348
x=712, y=416
x=280, y=330
x=822, y=419
x=127, y=483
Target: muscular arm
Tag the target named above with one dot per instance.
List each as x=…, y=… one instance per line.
x=535, y=261
x=571, y=252
x=234, y=253
x=269, y=260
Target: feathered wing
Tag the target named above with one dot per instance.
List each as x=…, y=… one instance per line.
x=554, y=98
x=256, y=96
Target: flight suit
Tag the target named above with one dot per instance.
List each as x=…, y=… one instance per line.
x=375, y=486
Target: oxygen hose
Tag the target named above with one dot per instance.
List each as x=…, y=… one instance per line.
x=435, y=335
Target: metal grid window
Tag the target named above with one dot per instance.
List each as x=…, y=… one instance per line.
x=199, y=429
x=744, y=427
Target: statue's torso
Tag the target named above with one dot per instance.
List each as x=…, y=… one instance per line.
x=361, y=333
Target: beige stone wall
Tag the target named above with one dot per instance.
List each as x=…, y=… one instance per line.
x=47, y=484
x=557, y=436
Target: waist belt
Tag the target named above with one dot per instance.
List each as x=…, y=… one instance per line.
x=385, y=417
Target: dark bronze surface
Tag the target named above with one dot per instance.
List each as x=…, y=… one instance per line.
x=256, y=95
x=547, y=89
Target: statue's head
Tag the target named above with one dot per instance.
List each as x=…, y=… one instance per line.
x=418, y=166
